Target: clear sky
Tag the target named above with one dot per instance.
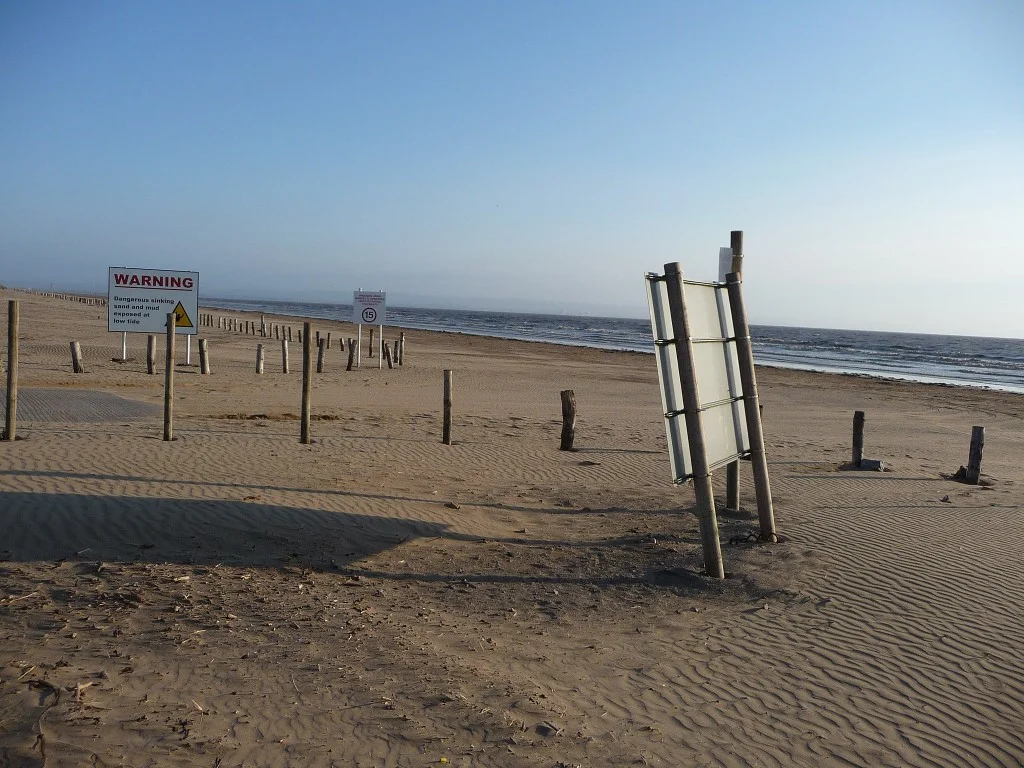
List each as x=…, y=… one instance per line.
x=526, y=155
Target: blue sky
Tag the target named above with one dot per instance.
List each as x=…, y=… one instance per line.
x=526, y=155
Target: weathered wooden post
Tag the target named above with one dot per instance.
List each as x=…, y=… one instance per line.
x=10, y=426
x=204, y=357
x=259, y=358
x=974, y=460
x=151, y=354
x=446, y=427
x=263, y=326
x=732, y=469
x=169, y=379
x=351, y=354
x=284, y=355
x=289, y=333
x=369, y=346
x=387, y=354
x=321, y=351
x=328, y=339
x=318, y=338
x=401, y=349
x=76, y=358
x=751, y=408
x=568, y=420
x=683, y=346
x=307, y=380
x=857, y=455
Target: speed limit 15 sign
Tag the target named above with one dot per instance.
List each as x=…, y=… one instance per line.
x=369, y=307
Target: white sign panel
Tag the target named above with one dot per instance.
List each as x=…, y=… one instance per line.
x=138, y=300
x=369, y=307
x=716, y=370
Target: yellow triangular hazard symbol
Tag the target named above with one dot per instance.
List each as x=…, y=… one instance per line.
x=181, y=317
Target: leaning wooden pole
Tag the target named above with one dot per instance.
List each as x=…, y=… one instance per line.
x=857, y=451
x=568, y=420
x=974, y=459
x=758, y=459
x=76, y=357
x=151, y=354
x=204, y=357
x=10, y=426
x=446, y=426
x=172, y=323
x=307, y=381
x=732, y=469
x=683, y=346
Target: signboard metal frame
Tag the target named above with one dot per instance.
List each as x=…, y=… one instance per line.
x=716, y=368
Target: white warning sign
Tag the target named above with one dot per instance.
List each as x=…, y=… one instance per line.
x=139, y=300
x=369, y=307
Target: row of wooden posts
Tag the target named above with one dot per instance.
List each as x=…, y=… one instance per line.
x=971, y=473
x=568, y=398
x=93, y=301
x=323, y=343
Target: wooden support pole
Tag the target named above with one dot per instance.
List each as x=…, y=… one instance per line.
x=204, y=357
x=974, y=461
x=351, y=355
x=857, y=455
x=151, y=354
x=736, y=244
x=284, y=355
x=387, y=355
x=732, y=469
x=289, y=333
x=328, y=339
x=401, y=349
x=321, y=351
x=683, y=346
x=11, y=422
x=263, y=326
x=307, y=381
x=446, y=427
x=568, y=420
x=259, y=359
x=76, y=358
x=751, y=408
x=169, y=379
x=732, y=485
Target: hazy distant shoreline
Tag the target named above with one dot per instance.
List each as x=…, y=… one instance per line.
x=978, y=362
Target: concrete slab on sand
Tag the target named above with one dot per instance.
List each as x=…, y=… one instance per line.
x=73, y=406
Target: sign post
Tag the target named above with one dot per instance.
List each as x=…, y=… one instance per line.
x=138, y=301
x=369, y=308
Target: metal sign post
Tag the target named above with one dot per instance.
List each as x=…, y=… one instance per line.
x=370, y=308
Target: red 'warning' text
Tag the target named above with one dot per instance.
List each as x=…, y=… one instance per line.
x=154, y=281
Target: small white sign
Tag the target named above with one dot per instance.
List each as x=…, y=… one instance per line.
x=138, y=300
x=369, y=307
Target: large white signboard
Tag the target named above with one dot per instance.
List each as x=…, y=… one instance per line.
x=138, y=300
x=369, y=307
x=716, y=369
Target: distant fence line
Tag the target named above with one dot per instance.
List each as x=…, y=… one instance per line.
x=94, y=301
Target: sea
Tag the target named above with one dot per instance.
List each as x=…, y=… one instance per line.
x=953, y=360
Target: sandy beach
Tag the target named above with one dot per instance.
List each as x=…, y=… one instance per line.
x=376, y=598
